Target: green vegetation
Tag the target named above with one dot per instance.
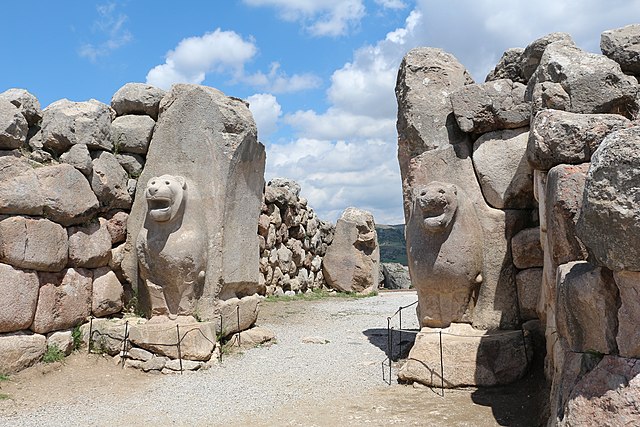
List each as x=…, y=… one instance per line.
x=392, y=243
x=53, y=354
x=4, y=377
x=76, y=335
x=4, y=396
x=318, y=294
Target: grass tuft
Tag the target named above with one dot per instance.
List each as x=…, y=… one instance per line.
x=53, y=354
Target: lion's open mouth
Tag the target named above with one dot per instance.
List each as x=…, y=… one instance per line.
x=159, y=204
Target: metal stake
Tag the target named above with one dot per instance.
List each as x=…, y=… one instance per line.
x=179, y=352
x=441, y=366
x=90, y=332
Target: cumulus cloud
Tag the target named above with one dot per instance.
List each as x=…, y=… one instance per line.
x=391, y=4
x=277, y=81
x=194, y=57
x=319, y=17
x=266, y=111
x=110, y=25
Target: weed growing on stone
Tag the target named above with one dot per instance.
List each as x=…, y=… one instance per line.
x=53, y=354
x=76, y=336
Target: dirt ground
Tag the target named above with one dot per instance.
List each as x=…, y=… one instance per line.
x=81, y=374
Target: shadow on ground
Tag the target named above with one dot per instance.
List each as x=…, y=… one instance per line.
x=401, y=342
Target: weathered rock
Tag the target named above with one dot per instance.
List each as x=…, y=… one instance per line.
x=18, y=297
x=526, y=249
x=132, y=134
x=490, y=106
x=623, y=46
x=13, y=126
x=628, y=337
x=238, y=314
x=352, y=261
x=197, y=340
x=559, y=137
x=532, y=54
x=396, y=276
x=222, y=165
x=315, y=340
x=608, y=395
x=503, y=171
x=287, y=183
x=612, y=202
x=471, y=357
x=256, y=336
x=582, y=291
x=108, y=293
x=280, y=196
x=509, y=67
x=65, y=123
x=426, y=78
x=90, y=245
x=131, y=163
x=109, y=181
x=107, y=335
x=64, y=300
x=20, y=350
x=529, y=282
x=139, y=354
x=184, y=365
x=26, y=102
x=571, y=79
x=20, y=191
x=63, y=340
x=78, y=156
x=33, y=243
x=137, y=98
x=68, y=197
x=117, y=226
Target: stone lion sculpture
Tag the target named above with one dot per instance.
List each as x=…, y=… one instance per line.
x=445, y=253
x=171, y=248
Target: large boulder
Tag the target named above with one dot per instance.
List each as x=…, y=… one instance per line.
x=612, y=202
x=559, y=137
x=470, y=357
x=109, y=181
x=13, y=126
x=131, y=134
x=236, y=314
x=490, y=106
x=26, y=102
x=108, y=293
x=623, y=46
x=33, y=243
x=505, y=175
x=65, y=123
x=79, y=157
x=628, y=337
x=20, y=191
x=508, y=67
x=395, y=276
x=64, y=300
x=90, y=245
x=526, y=249
x=532, y=54
x=137, y=98
x=351, y=263
x=20, y=350
x=18, y=298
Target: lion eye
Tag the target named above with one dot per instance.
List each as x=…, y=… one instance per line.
x=153, y=183
x=423, y=193
x=166, y=182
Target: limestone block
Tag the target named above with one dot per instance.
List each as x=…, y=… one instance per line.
x=582, y=291
x=471, y=357
x=526, y=249
x=19, y=350
x=256, y=336
x=197, y=340
x=609, y=394
x=63, y=340
x=490, y=106
x=68, y=196
x=612, y=202
x=559, y=137
x=26, y=102
x=508, y=67
x=505, y=175
x=351, y=262
x=108, y=293
x=65, y=123
x=13, y=126
x=586, y=83
x=628, y=338
x=131, y=163
x=532, y=54
x=33, y=243
x=64, y=300
x=396, y=276
x=247, y=308
x=18, y=298
x=132, y=134
x=623, y=46
x=78, y=156
x=137, y=98
x=107, y=335
x=529, y=282
x=109, y=181
x=90, y=245
x=20, y=191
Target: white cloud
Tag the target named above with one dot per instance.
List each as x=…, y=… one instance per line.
x=335, y=124
x=277, y=81
x=266, y=111
x=319, y=17
x=194, y=57
x=391, y=4
x=110, y=25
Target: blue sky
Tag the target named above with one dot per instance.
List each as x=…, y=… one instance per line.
x=319, y=74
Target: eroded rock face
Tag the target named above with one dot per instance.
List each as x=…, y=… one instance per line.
x=19, y=290
x=532, y=54
x=623, y=46
x=137, y=98
x=33, y=243
x=509, y=67
x=351, y=263
x=131, y=134
x=26, y=102
x=20, y=190
x=628, y=338
x=13, y=126
x=20, y=350
x=526, y=249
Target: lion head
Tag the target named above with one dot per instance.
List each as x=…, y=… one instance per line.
x=164, y=196
x=438, y=203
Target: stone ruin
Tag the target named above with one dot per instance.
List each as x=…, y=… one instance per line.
x=522, y=206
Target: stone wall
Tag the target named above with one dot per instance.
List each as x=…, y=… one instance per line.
x=552, y=137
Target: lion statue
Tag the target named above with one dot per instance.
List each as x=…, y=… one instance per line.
x=171, y=248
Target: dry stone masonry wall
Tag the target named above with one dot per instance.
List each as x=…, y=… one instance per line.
x=523, y=212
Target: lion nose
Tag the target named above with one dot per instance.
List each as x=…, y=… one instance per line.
x=152, y=190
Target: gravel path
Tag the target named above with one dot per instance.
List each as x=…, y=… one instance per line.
x=261, y=381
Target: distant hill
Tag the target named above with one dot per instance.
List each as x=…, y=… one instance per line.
x=392, y=243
